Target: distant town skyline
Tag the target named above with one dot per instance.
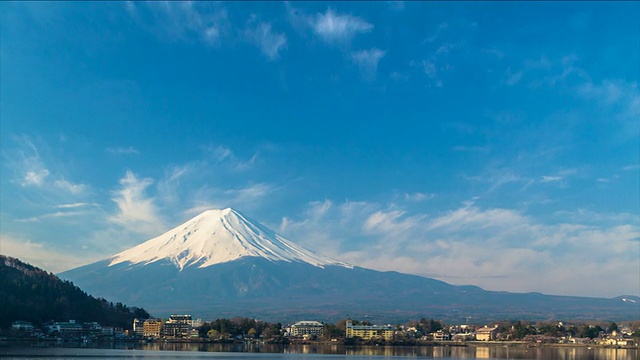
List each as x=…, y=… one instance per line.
x=492, y=144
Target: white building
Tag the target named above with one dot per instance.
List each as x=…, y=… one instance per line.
x=302, y=328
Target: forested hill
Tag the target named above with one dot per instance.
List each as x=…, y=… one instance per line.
x=32, y=294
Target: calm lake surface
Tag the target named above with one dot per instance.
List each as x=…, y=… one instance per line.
x=299, y=352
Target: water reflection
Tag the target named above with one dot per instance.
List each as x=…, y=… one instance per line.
x=459, y=352
x=270, y=352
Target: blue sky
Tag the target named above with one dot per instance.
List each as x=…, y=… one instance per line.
x=493, y=144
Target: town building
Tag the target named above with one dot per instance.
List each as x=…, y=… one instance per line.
x=69, y=329
x=138, y=327
x=23, y=326
x=307, y=328
x=617, y=340
x=486, y=333
x=152, y=328
x=184, y=319
x=368, y=332
x=440, y=336
x=178, y=326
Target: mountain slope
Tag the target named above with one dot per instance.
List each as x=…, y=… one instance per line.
x=31, y=294
x=222, y=264
x=219, y=236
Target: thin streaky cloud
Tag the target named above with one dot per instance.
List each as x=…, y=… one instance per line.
x=418, y=196
x=181, y=21
x=69, y=186
x=75, y=205
x=477, y=149
x=129, y=150
x=549, y=178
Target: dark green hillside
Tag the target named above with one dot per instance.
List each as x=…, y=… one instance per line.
x=31, y=294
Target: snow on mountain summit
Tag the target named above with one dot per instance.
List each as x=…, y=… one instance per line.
x=219, y=236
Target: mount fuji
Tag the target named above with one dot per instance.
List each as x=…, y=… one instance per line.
x=223, y=264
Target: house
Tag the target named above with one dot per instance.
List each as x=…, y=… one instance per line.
x=486, y=333
x=617, y=341
x=368, y=332
x=440, y=336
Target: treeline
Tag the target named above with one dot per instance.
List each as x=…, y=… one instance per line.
x=222, y=329
x=517, y=330
x=238, y=327
x=31, y=294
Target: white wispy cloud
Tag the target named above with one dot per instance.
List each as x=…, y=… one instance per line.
x=367, y=61
x=560, y=177
x=513, y=77
x=75, y=205
x=462, y=245
x=31, y=171
x=45, y=256
x=244, y=198
x=181, y=21
x=136, y=211
x=619, y=100
x=69, y=186
x=129, y=150
x=439, y=29
x=268, y=41
x=222, y=154
x=547, y=179
x=34, y=175
x=396, y=5
x=333, y=28
x=247, y=196
x=476, y=149
x=430, y=69
x=53, y=215
x=418, y=196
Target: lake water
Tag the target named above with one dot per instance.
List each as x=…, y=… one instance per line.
x=310, y=352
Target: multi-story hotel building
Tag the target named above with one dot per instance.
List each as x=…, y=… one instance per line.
x=152, y=328
x=368, y=332
x=177, y=326
x=302, y=328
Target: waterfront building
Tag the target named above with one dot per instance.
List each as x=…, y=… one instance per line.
x=368, y=332
x=178, y=326
x=486, y=333
x=308, y=328
x=138, y=327
x=69, y=329
x=152, y=328
x=440, y=336
x=23, y=326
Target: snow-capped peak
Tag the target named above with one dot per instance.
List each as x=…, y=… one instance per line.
x=219, y=236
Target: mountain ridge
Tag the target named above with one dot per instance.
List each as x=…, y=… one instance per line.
x=266, y=276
